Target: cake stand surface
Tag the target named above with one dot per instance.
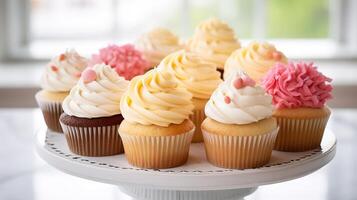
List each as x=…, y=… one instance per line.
x=196, y=180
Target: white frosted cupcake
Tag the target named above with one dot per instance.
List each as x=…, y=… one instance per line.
x=156, y=44
x=59, y=76
x=239, y=131
x=92, y=113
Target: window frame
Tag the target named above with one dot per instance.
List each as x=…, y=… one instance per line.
x=343, y=30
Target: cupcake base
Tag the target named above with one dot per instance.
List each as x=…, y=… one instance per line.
x=244, y=147
x=92, y=137
x=156, y=147
x=301, y=129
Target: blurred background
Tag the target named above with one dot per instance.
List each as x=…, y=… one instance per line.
x=33, y=31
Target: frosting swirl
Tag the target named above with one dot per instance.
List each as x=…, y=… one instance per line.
x=157, y=44
x=238, y=101
x=197, y=75
x=97, y=93
x=63, y=71
x=256, y=59
x=297, y=85
x=156, y=98
x=215, y=40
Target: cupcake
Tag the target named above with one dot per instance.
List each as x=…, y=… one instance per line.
x=214, y=40
x=239, y=131
x=156, y=130
x=59, y=76
x=92, y=115
x=299, y=94
x=157, y=44
x=198, y=76
x=256, y=59
x=127, y=61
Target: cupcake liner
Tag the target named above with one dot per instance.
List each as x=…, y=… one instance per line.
x=51, y=113
x=239, y=152
x=300, y=134
x=197, y=118
x=157, y=152
x=93, y=141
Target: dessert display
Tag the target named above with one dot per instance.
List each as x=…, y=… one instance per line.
x=198, y=76
x=256, y=60
x=157, y=44
x=127, y=61
x=156, y=130
x=92, y=113
x=59, y=76
x=299, y=94
x=239, y=131
x=214, y=40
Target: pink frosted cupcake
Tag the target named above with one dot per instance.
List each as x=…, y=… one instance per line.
x=126, y=60
x=299, y=94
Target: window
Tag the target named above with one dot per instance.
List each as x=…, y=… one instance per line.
x=301, y=28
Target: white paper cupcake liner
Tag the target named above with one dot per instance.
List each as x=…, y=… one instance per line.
x=157, y=152
x=239, y=152
x=93, y=141
x=51, y=113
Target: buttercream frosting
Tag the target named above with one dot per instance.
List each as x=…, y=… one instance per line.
x=157, y=44
x=193, y=72
x=63, y=71
x=97, y=93
x=239, y=101
x=296, y=85
x=215, y=40
x=156, y=98
x=256, y=59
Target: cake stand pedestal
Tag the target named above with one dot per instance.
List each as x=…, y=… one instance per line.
x=196, y=180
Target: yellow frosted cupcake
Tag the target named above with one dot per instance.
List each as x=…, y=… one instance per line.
x=239, y=131
x=256, y=60
x=214, y=40
x=157, y=44
x=156, y=130
x=299, y=93
x=198, y=76
x=60, y=75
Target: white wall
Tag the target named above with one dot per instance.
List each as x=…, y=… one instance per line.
x=2, y=28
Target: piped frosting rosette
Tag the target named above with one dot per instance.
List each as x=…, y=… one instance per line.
x=193, y=72
x=97, y=93
x=157, y=44
x=156, y=98
x=256, y=60
x=215, y=40
x=239, y=101
x=63, y=72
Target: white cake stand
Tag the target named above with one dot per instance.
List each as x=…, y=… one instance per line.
x=196, y=180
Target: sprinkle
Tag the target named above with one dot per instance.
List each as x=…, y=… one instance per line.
x=89, y=75
x=276, y=55
x=247, y=81
x=238, y=83
x=62, y=57
x=227, y=99
x=77, y=74
x=54, y=68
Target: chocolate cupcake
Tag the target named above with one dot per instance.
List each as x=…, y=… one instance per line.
x=92, y=114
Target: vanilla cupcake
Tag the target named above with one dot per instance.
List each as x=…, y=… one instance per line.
x=239, y=131
x=256, y=60
x=59, y=76
x=157, y=44
x=214, y=40
x=92, y=114
x=300, y=94
x=198, y=76
x=156, y=130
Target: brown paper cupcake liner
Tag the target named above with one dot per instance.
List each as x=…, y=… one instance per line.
x=239, y=152
x=157, y=152
x=93, y=141
x=300, y=134
x=197, y=118
x=51, y=113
